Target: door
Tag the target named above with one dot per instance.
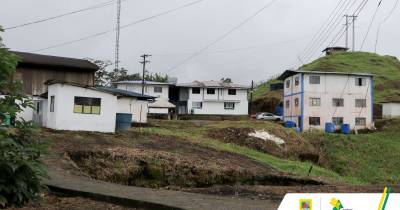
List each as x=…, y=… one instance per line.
x=38, y=113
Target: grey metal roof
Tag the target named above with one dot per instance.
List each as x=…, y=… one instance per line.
x=289, y=73
x=139, y=82
x=212, y=84
x=124, y=92
x=31, y=59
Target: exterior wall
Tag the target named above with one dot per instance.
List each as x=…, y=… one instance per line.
x=33, y=78
x=331, y=86
x=158, y=110
x=214, y=104
x=64, y=118
x=137, y=108
x=391, y=110
x=148, y=90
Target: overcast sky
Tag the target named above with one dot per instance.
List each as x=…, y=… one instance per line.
x=265, y=46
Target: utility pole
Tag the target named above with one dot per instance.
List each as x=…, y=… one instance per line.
x=347, y=30
x=116, y=61
x=354, y=31
x=143, y=62
x=251, y=96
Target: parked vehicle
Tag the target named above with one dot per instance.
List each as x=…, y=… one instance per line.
x=268, y=116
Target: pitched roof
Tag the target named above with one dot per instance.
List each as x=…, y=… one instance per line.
x=213, y=84
x=289, y=73
x=160, y=103
x=140, y=82
x=31, y=59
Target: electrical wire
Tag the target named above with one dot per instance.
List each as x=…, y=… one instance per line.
x=96, y=6
x=370, y=24
x=123, y=26
x=223, y=36
x=383, y=21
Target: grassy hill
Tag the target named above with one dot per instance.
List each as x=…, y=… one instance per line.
x=385, y=68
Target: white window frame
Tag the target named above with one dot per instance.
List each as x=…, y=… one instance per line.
x=315, y=101
x=314, y=82
x=338, y=104
x=229, y=105
x=158, y=89
x=363, y=81
x=309, y=121
x=360, y=103
x=357, y=121
x=197, y=105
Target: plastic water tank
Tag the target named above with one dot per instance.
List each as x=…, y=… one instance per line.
x=345, y=128
x=290, y=124
x=123, y=121
x=330, y=127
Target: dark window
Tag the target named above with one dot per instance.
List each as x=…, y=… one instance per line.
x=360, y=103
x=315, y=80
x=287, y=104
x=84, y=105
x=158, y=89
x=360, y=81
x=338, y=102
x=314, y=121
x=37, y=107
x=296, y=81
x=296, y=102
x=315, y=101
x=232, y=92
x=287, y=83
x=197, y=105
x=337, y=120
x=229, y=105
x=195, y=90
x=361, y=121
x=52, y=101
x=210, y=91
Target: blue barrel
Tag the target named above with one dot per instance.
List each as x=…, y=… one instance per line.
x=330, y=127
x=279, y=110
x=123, y=121
x=290, y=124
x=345, y=128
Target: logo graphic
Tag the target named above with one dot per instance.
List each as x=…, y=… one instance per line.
x=384, y=198
x=337, y=205
x=305, y=204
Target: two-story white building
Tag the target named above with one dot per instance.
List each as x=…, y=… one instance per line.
x=213, y=98
x=160, y=90
x=313, y=98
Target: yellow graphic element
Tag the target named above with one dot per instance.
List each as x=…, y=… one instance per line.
x=305, y=204
x=382, y=198
x=337, y=205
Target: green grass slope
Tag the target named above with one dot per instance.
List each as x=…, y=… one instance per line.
x=385, y=68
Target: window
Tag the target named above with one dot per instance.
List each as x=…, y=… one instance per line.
x=296, y=81
x=52, y=101
x=315, y=80
x=338, y=102
x=296, y=102
x=315, y=101
x=37, y=107
x=314, y=121
x=360, y=81
x=361, y=103
x=287, y=83
x=361, y=121
x=337, y=120
x=229, y=105
x=195, y=90
x=210, y=91
x=158, y=89
x=232, y=92
x=197, y=105
x=287, y=104
x=84, y=105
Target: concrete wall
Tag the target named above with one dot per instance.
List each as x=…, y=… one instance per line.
x=148, y=90
x=64, y=118
x=391, y=110
x=138, y=109
x=331, y=86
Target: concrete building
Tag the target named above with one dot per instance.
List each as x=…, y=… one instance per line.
x=212, y=98
x=391, y=109
x=313, y=98
x=159, y=90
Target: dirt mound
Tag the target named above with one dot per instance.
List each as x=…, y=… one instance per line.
x=268, y=102
x=295, y=146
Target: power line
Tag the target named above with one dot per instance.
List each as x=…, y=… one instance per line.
x=384, y=20
x=370, y=24
x=123, y=26
x=223, y=36
x=104, y=4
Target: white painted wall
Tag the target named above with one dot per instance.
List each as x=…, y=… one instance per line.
x=331, y=86
x=138, y=109
x=391, y=110
x=64, y=118
x=148, y=90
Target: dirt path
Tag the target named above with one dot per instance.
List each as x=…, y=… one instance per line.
x=151, y=198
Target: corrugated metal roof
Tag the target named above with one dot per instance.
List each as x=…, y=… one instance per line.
x=289, y=73
x=139, y=82
x=55, y=61
x=160, y=103
x=213, y=84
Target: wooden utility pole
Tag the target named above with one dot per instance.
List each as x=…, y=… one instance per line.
x=143, y=62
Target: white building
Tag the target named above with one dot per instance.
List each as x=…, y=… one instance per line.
x=391, y=109
x=76, y=107
x=213, y=98
x=312, y=99
x=159, y=90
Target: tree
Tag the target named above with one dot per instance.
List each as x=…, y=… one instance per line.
x=101, y=77
x=20, y=149
x=226, y=80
